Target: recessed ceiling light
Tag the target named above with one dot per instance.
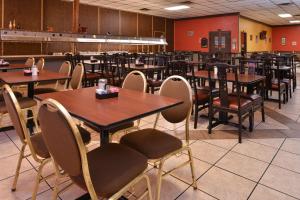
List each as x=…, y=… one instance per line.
x=294, y=21
x=180, y=7
x=285, y=15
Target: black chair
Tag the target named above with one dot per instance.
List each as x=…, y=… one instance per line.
x=226, y=102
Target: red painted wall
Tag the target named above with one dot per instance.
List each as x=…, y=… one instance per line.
x=291, y=33
x=201, y=28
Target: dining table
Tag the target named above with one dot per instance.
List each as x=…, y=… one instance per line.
x=8, y=67
x=19, y=78
x=106, y=114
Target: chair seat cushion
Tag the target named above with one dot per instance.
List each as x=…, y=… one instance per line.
x=39, y=146
x=24, y=102
x=151, y=142
x=44, y=90
x=85, y=134
x=233, y=102
x=252, y=97
x=124, y=126
x=111, y=167
x=202, y=96
x=154, y=83
x=275, y=86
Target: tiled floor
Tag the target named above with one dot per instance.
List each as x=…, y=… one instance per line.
x=266, y=166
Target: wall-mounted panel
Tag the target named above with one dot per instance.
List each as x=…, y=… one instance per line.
x=170, y=34
x=128, y=23
x=158, y=26
x=109, y=21
x=145, y=25
x=26, y=13
x=13, y=48
x=88, y=17
x=58, y=14
x=55, y=47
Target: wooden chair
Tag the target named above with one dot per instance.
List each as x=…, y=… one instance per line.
x=107, y=171
x=159, y=146
x=29, y=62
x=226, y=102
x=40, y=64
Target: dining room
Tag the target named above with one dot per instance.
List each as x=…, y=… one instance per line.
x=164, y=100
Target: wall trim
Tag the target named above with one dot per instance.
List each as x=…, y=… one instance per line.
x=209, y=16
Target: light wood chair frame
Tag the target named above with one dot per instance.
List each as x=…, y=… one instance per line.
x=84, y=161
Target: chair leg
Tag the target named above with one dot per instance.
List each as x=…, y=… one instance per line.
x=21, y=156
x=38, y=178
x=196, y=116
x=210, y=117
x=149, y=187
x=159, y=180
x=194, y=184
x=251, y=120
x=263, y=118
x=279, y=98
x=240, y=128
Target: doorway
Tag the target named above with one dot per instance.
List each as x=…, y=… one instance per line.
x=243, y=43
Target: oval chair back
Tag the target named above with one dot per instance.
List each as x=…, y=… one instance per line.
x=65, y=68
x=40, y=64
x=56, y=122
x=135, y=80
x=76, y=79
x=30, y=62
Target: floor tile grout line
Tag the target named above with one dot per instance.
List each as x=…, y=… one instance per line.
x=278, y=190
x=266, y=170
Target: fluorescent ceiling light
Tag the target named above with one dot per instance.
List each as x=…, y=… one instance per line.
x=180, y=7
x=285, y=15
x=294, y=21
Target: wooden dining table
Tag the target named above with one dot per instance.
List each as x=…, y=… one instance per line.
x=106, y=114
x=18, y=78
x=5, y=68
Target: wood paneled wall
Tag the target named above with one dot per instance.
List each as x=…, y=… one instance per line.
x=40, y=14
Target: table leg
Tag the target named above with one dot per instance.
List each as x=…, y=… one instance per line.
x=104, y=136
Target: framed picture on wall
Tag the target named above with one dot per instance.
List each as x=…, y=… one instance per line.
x=251, y=37
x=283, y=41
x=256, y=39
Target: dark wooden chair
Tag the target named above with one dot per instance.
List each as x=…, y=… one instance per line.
x=226, y=102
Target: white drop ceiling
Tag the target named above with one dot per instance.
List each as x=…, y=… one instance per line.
x=261, y=10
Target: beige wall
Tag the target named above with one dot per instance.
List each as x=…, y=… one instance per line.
x=254, y=28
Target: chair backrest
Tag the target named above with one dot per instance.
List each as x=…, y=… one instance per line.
x=61, y=134
x=40, y=64
x=135, y=80
x=17, y=118
x=77, y=75
x=177, y=87
x=30, y=62
x=65, y=68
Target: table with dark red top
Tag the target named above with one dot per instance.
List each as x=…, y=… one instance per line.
x=5, y=68
x=106, y=114
x=18, y=78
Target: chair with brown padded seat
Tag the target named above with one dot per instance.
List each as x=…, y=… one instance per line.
x=107, y=171
x=37, y=147
x=159, y=146
x=226, y=102
x=65, y=68
x=35, y=142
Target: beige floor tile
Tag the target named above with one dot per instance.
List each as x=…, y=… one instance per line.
x=207, y=152
x=271, y=124
x=288, y=161
x=282, y=180
x=272, y=142
x=72, y=193
x=225, y=185
x=8, y=166
x=8, y=148
x=265, y=193
x=3, y=137
x=224, y=143
x=14, y=137
x=24, y=187
x=291, y=145
x=171, y=187
x=184, y=173
x=242, y=165
x=254, y=150
x=195, y=194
